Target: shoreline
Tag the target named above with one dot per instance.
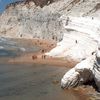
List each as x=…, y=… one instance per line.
x=39, y=57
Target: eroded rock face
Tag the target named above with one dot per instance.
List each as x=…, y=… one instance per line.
x=29, y=20
x=81, y=73
x=81, y=43
x=81, y=39
x=87, y=70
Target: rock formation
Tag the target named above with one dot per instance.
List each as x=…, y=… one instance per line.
x=85, y=71
x=81, y=39
x=80, y=43
x=26, y=19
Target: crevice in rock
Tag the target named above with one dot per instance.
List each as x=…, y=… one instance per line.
x=93, y=10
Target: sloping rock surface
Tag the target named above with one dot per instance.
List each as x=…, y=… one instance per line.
x=40, y=18
x=81, y=40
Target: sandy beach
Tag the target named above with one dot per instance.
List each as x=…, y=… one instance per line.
x=39, y=57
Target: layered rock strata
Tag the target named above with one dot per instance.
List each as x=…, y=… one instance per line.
x=40, y=18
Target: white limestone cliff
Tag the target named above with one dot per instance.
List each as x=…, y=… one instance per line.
x=81, y=42
x=29, y=20
x=81, y=39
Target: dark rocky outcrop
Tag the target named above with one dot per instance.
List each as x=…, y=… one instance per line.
x=40, y=3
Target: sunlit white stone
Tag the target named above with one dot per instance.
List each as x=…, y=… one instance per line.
x=81, y=73
x=81, y=41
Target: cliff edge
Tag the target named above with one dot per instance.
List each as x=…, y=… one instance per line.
x=40, y=18
x=28, y=20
